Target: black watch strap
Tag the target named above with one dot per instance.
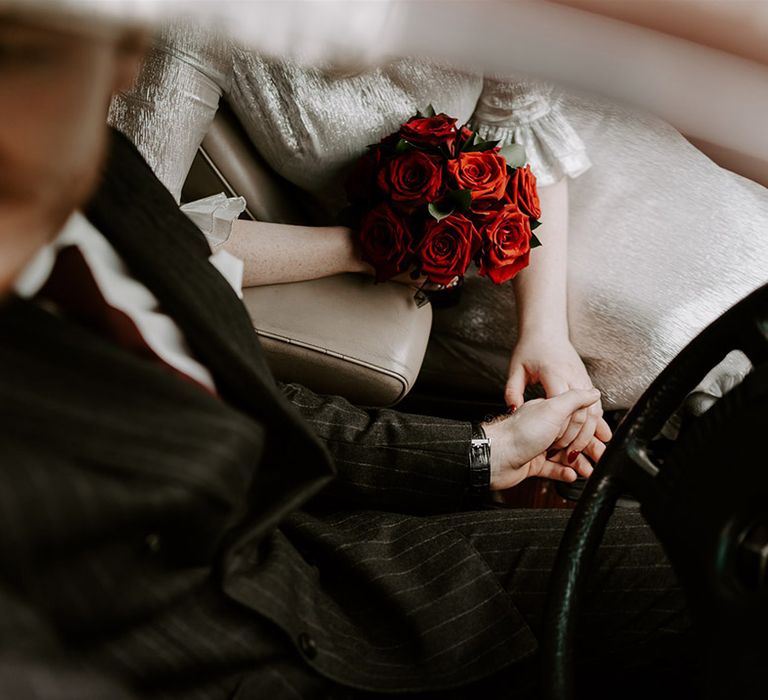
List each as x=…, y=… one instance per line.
x=479, y=462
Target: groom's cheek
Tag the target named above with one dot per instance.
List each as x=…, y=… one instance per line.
x=53, y=121
x=54, y=95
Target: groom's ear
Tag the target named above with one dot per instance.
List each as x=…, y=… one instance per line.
x=130, y=50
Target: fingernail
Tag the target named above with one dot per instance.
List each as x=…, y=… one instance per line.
x=511, y=408
x=551, y=453
x=572, y=456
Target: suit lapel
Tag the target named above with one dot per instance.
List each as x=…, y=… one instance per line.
x=170, y=256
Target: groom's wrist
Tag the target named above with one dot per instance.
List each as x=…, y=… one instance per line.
x=493, y=431
x=479, y=462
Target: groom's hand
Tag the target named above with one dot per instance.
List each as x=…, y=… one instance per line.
x=519, y=442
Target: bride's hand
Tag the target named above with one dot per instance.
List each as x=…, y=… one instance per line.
x=555, y=364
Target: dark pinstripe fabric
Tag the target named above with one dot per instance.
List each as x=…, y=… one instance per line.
x=137, y=515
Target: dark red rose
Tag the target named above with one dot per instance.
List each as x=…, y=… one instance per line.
x=507, y=245
x=411, y=179
x=447, y=248
x=385, y=242
x=484, y=173
x=522, y=191
x=361, y=183
x=430, y=131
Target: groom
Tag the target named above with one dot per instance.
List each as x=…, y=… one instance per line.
x=175, y=524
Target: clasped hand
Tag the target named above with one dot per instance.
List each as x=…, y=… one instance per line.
x=525, y=442
x=552, y=361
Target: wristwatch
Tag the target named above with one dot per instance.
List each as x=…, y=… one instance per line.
x=479, y=462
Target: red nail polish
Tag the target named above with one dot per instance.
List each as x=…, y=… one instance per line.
x=511, y=408
x=572, y=456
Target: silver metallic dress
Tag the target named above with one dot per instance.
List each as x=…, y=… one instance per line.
x=661, y=239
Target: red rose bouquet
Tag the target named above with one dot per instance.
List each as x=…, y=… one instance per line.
x=432, y=199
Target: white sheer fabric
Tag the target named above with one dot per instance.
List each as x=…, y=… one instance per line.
x=214, y=216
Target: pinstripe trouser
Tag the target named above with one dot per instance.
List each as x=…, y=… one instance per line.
x=633, y=615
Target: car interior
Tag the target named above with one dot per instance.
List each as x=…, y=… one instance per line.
x=369, y=348
x=347, y=335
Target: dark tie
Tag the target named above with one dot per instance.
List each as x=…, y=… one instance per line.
x=72, y=288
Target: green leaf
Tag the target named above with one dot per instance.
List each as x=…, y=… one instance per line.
x=514, y=154
x=461, y=198
x=442, y=149
x=469, y=144
x=486, y=146
x=535, y=224
x=403, y=146
x=436, y=213
x=535, y=242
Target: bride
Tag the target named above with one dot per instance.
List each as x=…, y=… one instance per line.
x=645, y=239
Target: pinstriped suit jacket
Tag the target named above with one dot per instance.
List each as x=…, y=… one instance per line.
x=154, y=537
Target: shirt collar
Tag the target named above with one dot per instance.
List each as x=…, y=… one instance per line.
x=39, y=268
x=79, y=231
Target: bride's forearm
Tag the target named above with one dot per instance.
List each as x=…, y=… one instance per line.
x=276, y=253
x=540, y=289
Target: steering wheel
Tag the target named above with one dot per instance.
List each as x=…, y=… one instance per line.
x=713, y=527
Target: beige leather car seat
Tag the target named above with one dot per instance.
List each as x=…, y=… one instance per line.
x=337, y=335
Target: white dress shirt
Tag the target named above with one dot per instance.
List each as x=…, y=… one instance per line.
x=125, y=293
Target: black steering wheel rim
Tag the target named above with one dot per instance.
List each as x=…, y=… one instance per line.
x=624, y=467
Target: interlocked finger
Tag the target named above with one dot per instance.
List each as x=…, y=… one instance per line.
x=594, y=450
x=582, y=466
x=583, y=438
x=557, y=471
x=602, y=430
x=575, y=424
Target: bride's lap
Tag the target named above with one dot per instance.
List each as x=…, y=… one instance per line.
x=661, y=242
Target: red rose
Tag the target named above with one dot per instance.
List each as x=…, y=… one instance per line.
x=385, y=242
x=484, y=173
x=361, y=183
x=411, y=179
x=522, y=191
x=483, y=210
x=507, y=245
x=430, y=131
x=447, y=248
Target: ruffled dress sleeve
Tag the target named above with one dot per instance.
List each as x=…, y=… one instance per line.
x=530, y=113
